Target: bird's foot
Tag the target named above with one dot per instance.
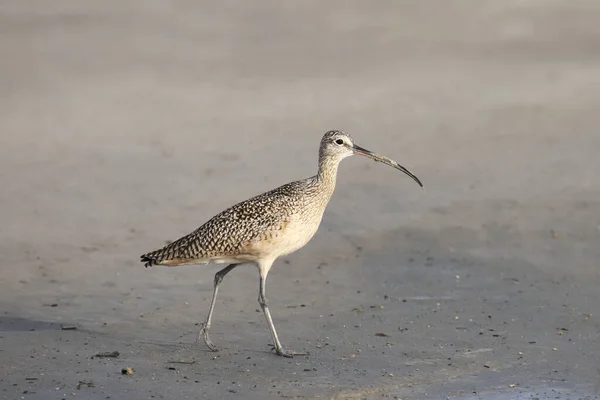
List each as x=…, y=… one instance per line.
x=203, y=334
x=287, y=353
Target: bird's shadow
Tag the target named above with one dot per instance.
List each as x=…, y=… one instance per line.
x=19, y=324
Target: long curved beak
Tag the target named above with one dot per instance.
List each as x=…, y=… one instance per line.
x=379, y=158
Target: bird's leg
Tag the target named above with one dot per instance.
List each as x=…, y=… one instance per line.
x=262, y=300
x=206, y=325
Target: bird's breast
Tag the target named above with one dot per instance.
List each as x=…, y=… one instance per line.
x=288, y=236
x=301, y=228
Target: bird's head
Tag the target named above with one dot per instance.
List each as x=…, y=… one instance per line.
x=337, y=145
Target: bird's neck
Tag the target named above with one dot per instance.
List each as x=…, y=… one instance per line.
x=327, y=174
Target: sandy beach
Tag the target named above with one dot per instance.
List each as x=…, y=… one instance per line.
x=125, y=125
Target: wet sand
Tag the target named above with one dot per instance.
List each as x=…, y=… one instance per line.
x=125, y=125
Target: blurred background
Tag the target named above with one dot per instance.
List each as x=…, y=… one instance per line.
x=127, y=124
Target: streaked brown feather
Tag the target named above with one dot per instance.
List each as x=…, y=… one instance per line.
x=236, y=231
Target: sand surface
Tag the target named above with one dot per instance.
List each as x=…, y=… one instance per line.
x=127, y=124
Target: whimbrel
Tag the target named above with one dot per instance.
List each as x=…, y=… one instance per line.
x=265, y=227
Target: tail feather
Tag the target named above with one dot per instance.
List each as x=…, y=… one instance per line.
x=181, y=251
x=158, y=257
x=149, y=260
x=174, y=253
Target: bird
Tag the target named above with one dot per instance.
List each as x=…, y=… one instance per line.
x=265, y=227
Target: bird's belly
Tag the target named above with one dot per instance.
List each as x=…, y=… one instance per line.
x=287, y=240
x=296, y=236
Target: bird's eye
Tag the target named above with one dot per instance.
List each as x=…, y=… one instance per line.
x=339, y=141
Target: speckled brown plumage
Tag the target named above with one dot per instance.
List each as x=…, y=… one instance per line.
x=231, y=232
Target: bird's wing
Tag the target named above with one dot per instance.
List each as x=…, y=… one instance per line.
x=231, y=232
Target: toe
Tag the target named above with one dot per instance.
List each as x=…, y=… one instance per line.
x=287, y=354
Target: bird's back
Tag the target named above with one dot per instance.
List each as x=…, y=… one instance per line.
x=240, y=232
